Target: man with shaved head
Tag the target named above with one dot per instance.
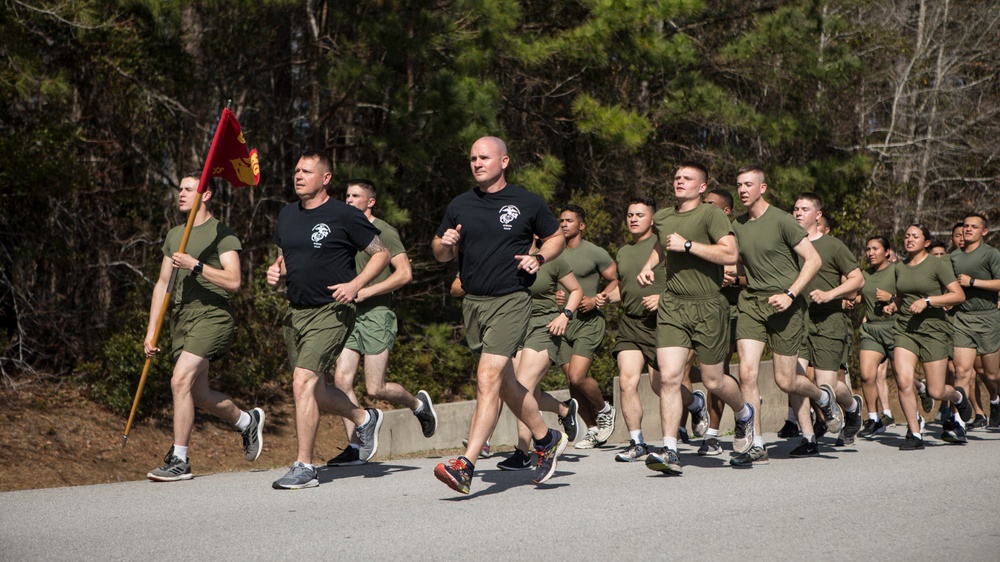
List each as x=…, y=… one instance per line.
x=490, y=230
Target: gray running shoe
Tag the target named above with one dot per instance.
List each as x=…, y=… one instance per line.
x=253, y=437
x=348, y=457
x=756, y=455
x=926, y=402
x=518, y=461
x=699, y=418
x=173, y=469
x=368, y=435
x=589, y=441
x=743, y=433
x=852, y=422
x=570, y=426
x=832, y=411
x=710, y=447
x=427, y=417
x=298, y=477
x=666, y=461
x=965, y=406
x=548, y=456
x=634, y=452
x=606, y=425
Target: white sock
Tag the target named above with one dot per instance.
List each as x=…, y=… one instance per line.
x=959, y=401
x=712, y=433
x=698, y=404
x=854, y=406
x=244, y=421
x=792, y=417
x=181, y=452
x=995, y=400
x=810, y=437
x=670, y=442
x=606, y=409
x=744, y=414
x=368, y=418
x=758, y=441
x=959, y=420
x=419, y=408
x=921, y=387
x=309, y=466
x=873, y=416
x=824, y=397
x=887, y=413
x=636, y=436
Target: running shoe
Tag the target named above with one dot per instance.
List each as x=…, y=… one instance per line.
x=699, y=417
x=911, y=443
x=819, y=429
x=457, y=474
x=843, y=440
x=965, y=407
x=666, y=461
x=348, y=457
x=589, y=440
x=756, y=455
x=682, y=434
x=485, y=453
x=950, y=433
x=606, y=425
x=944, y=412
x=852, y=422
x=368, y=434
x=789, y=430
x=806, y=448
x=173, y=469
x=634, y=452
x=994, y=415
x=926, y=402
x=888, y=422
x=427, y=417
x=298, y=477
x=518, y=461
x=710, y=447
x=868, y=430
x=979, y=422
x=743, y=432
x=832, y=412
x=253, y=436
x=548, y=456
x=568, y=422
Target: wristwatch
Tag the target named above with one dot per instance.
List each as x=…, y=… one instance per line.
x=972, y=281
x=196, y=270
x=687, y=246
x=540, y=258
x=568, y=313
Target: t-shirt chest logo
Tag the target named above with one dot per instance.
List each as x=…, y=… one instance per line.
x=508, y=213
x=319, y=232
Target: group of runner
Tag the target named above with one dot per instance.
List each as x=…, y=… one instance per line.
x=533, y=294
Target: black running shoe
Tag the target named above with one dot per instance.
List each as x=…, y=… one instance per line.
x=819, y=428
x=868, y=430
x=427, y=417
x=994, y=416
x=518, y=461
x=979, y=422
x=789, y=430
x=348, y=457
x=569, y=423
x=756, y=455
x=682, y=434
x=806, y=448
x=911, y=443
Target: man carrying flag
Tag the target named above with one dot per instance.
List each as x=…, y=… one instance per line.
x=207, y=270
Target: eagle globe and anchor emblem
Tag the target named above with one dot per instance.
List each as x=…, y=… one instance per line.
x=508, y=213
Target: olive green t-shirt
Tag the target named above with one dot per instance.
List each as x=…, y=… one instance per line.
x=588, y=261
x=981, y=263
x=874, y=280
x=207, y=242
x=926, y=279
x=543, y=290
x=767, y=249
x=837, y=262
x=389, y=237
x=630, y=259
x=687, y=274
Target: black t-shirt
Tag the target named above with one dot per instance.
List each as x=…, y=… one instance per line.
x=319, y=247
x=495, y=228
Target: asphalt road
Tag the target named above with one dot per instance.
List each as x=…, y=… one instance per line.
x=867, y=501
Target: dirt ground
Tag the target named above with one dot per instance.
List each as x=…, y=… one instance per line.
x=53, y=436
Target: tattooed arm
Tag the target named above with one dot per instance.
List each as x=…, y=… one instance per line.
x=347, y=292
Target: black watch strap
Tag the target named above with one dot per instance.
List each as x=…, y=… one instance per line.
x=196, y=270
x=568, y=313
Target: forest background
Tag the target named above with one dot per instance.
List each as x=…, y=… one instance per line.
x=886, y=108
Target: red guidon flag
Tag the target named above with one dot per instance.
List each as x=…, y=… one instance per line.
x=229, y=157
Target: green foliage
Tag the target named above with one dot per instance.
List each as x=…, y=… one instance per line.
x=435, y=359
x=541, y=178
x=611, y=124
